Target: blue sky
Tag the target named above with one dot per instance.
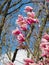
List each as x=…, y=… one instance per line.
x=11, y=23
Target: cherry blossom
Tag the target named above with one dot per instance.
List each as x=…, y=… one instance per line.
x=20, y=17
x=20, y=38
x=43, y=40
x=28, y=9
x=47, y=0
x=23, y=27
x=28, y=61
x=32, y=20
x=40, y=63
x=23, y=23
x=31, y=14
x=16, y=31
x=46, y=36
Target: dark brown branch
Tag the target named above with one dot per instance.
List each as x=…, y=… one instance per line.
x=5, y=14
x=18, y=7
x=22, y=5
x=15, y=3
x=37, y=43
x=14, y=56
x=2, y=5
x=19, y=47
x=30, y=32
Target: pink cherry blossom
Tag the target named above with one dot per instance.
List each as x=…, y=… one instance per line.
x=32, y=20
x=24, y=27
x=43, y=40
x=31, y=14
x=20, y=38
x=22, y=24
x=20, y=17
x=16, y=31
x=47, y=0
x=47, y=48
x=28, y=9
x=26, y=63
x=44, y=54
x=28, y=60
x=47, y=60
x=44, y=46
x=40, y=63
x=46, y=36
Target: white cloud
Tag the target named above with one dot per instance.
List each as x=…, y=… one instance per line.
x=21, y=55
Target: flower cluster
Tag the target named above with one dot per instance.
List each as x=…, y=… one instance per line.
x=23, y=23
x=29, y=61
x=44, y=46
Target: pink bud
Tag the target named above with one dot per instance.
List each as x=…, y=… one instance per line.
x=43, y=40
x=31, y=14
x=47, y=49
x=42, y=45
x=16, y=31
x=43, y=54
x=21, y=22
x=32, y=20
x=26, y=63
x=20, y=38
x=46, y=36
x=47, y=0
x=28, y=9
x=28, y=60
x=24, y=27
x=20, y=17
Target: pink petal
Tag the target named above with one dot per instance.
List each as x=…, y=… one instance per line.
x=28, y=9
x=16, y=31
x=32, y=20
x=46, y=36
x=43, y=40
x=28, y=60
x=31, y=14
x=24, y=27
x=47, y=0
x=20, y=17
x=20, y=38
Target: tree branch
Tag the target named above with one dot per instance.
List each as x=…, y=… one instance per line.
x=1, y=7
x=15, y=3
x=18, y=8
x=37, y=43
x=5, y=14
